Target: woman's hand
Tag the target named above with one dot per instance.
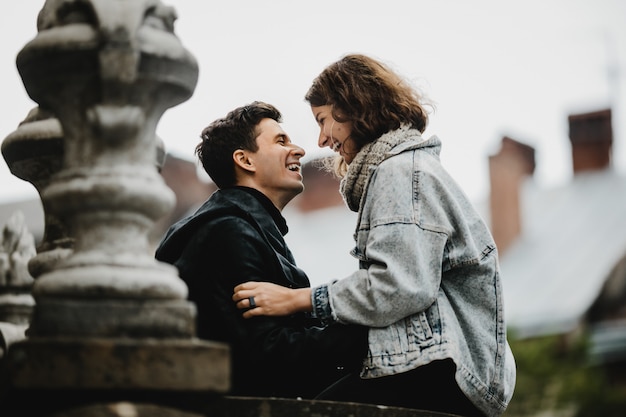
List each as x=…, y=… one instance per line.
x=267, y=299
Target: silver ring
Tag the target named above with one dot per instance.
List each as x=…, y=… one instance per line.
x=252, y=303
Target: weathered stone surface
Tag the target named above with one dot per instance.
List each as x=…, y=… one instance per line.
x=107, y=70
x=276, y=407
x=134, y=318
x=250, y=407
x=110, y=324
x=9, y=334
x=119, y=364
x=34, y=153
x=17, y=247
x=125, y=409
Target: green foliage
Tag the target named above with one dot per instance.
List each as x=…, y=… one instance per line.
x=554, y=378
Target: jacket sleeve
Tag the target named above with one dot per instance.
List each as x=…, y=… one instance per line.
x=400, y=261
x=231, y=251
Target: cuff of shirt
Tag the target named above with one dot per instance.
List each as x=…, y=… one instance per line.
x=321, y=304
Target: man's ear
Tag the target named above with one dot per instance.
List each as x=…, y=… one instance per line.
x=243, y=161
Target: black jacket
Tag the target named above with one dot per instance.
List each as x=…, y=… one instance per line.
x=237, y=236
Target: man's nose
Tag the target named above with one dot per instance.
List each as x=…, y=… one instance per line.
x=297, y=150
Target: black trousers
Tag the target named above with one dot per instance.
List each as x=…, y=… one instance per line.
x=430, y=387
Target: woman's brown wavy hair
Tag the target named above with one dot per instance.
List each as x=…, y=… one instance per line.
x=369, y=94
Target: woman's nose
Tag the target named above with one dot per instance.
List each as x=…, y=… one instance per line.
x=323, y=140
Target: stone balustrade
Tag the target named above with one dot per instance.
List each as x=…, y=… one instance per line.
x=109, y=322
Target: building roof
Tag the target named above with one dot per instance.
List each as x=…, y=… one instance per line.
x=572, y=237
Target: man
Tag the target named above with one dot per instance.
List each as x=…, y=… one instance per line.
x=237, y=236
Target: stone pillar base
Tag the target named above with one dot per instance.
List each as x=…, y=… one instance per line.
x=133, y=319
x=45, y=375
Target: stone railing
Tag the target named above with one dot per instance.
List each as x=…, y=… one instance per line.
x=109, y=322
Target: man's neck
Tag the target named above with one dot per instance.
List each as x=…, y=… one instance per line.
x=279, y=202
x=269, y=206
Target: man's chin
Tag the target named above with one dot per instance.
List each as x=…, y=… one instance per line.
x=297, y=190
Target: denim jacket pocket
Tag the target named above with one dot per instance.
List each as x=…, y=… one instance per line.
x=424, y=328
x=418, y=327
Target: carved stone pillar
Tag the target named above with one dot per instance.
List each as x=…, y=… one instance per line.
x=34, y=152
x=17, y=247
x=109, y=319
x=108, y=71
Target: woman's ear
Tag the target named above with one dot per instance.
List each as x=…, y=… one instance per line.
x=243, y=161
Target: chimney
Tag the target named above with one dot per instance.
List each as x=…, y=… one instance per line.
x=591, y=136
x=507, y=169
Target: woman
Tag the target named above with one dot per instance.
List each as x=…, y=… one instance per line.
x=428, y=283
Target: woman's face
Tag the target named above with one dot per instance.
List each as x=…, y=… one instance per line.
x=334, y=134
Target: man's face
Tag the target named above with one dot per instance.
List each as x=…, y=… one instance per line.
x=277, y=164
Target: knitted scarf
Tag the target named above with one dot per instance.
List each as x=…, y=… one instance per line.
x=354, y=183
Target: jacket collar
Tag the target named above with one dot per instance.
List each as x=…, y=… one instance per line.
x=271, y=209
x=250, y=205
x=431, y=145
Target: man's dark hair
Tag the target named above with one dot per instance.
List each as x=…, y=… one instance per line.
x=238, y=130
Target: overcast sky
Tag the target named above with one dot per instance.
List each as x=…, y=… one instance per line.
x=492, y=67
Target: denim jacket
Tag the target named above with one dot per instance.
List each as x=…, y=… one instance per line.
x=428, y=283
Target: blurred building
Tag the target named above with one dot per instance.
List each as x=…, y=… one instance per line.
x=191, y=190
x=563, y=249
